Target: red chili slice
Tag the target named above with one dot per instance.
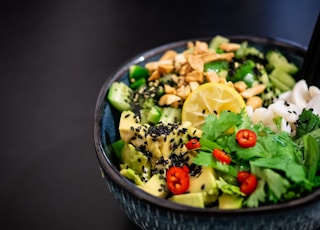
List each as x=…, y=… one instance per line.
x=193, y=144
x=177, y=180
x=249, y=185
x=220, y=155
x=246, y=138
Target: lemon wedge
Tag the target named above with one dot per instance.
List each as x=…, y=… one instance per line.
x=210, y=98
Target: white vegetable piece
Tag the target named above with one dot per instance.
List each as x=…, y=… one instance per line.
x=313, y=91
x=286, y=96
x=265, y=116
x=289, y=111
x=300, y=94
x=314, y=104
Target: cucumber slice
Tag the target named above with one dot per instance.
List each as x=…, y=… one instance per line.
x=154, y=115
x=170, y=115
x=120, y=96
x=279, y=61
x=279, y=84
x=277, y=75
x=217, y=41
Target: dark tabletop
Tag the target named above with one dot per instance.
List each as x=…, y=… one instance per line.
x=54, y=57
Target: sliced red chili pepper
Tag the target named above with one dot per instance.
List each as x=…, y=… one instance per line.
x=177, y=180
x=242, y=176
x=249, y=185
x=185, y=168
x=193, y=144
x=220, y=155
x=246, y=138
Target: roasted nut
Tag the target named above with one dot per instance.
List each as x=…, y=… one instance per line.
x=194, y=76
x=181, y=81
x=183, y=91
x=168, y=99
x=169, y=89
x=165, y=68
x=193, y=85
x=190, y=45
x=229, y=47
x=222, y=80
x=240, y=86
x=186, y=68
x=151, y=66
x=179, y=61
x=196, y=63
x=155, y=75
x=201, y=47
x=169, y=55
x=212, y=76
x=209, y=57
x=254, y=102
x=254, y=90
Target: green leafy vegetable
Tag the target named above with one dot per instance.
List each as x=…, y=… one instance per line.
x=283, y=170
x=307, y=122
x=229, y=188
x=311, y=151
x=206, y=159
x=215, y=126
x=258, y=196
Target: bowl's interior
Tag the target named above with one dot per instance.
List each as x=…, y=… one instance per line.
x=107, y=118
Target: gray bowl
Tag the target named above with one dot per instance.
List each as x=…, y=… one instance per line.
x=150, y=212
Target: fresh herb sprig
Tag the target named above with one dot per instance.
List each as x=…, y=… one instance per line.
x=278, y=162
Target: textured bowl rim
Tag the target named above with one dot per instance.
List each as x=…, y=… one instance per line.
x=114, y=174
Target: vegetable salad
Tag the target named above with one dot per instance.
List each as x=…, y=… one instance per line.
x=251, y=137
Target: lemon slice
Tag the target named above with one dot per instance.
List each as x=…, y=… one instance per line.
x=210, y=98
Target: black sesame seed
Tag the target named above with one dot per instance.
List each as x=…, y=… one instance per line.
x=127, y=115
x=203, y=186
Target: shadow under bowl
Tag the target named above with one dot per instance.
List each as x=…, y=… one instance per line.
x=150, y=212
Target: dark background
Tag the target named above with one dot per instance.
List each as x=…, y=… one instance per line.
x=54, y=57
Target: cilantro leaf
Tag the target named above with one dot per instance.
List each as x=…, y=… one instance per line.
x=291, y=169
x=307, y=122
x=276, y=184
x=259, y=195
x=206, y=159
x=214, y=126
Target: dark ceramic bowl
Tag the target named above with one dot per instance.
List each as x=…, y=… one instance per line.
x=150, y=212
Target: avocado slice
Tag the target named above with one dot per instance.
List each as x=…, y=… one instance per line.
x=190, y=199
x=205, y=183
x=156, y=186
x=136, y=160
x=128, y=124
x=227, y=201
x=131, y=175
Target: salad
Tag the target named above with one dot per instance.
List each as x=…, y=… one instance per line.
x=219, y=124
